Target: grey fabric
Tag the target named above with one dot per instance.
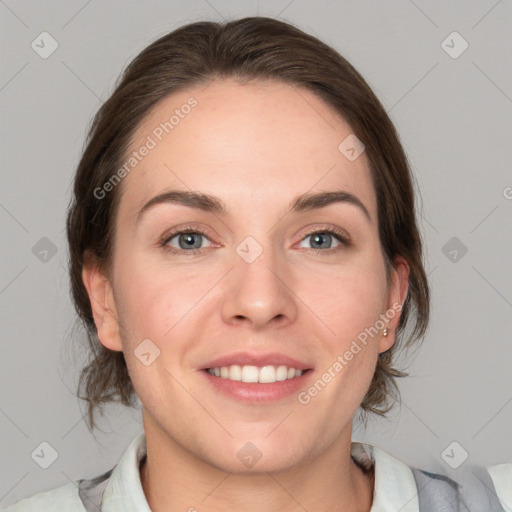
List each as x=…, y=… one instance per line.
x=91, y=491
x=479, y=494
x=436, y=492
x=439, y=493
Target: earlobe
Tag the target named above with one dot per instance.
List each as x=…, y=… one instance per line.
x=397, y=295
x=103, y=307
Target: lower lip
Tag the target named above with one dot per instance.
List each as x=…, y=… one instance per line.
x=254, y=392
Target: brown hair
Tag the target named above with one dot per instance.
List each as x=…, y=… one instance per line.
x=254, y=48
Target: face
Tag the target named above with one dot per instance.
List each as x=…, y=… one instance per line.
x=255, y=283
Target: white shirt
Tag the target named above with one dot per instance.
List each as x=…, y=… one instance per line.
x=395, y=487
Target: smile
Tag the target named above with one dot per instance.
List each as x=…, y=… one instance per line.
x=261, y=374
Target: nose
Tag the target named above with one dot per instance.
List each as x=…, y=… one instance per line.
x=259, y=293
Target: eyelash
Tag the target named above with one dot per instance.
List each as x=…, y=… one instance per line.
x=339, y=235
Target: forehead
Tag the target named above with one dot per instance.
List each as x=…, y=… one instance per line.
x=259, y=144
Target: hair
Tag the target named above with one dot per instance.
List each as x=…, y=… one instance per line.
x=252, y=48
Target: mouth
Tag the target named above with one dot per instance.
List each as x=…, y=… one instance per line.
x=257, y=385
x=267, y=374
x=256, y=377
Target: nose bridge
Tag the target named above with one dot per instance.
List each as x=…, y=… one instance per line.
x=257, y=289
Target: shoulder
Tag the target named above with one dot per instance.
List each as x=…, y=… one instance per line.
x=59, y=499
x=411, y=489
x=501, y=475
x=88, y=494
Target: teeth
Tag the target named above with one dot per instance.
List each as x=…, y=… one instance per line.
x=234, y=372
x=250, y=374
x=267, y=374
x=263, y=374
x=282, y=373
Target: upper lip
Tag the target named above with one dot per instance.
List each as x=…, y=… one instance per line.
x=257, y=359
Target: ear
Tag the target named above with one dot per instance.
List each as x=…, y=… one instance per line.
x=102, y=304
x=397, y=295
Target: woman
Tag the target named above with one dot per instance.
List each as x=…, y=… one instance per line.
x=245, y=256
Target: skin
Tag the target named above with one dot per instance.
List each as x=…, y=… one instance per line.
x=255, y=146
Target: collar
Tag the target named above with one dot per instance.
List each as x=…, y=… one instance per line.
x=395, y=487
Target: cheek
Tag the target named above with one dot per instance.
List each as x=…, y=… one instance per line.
x=154, y=298
x=347, y=299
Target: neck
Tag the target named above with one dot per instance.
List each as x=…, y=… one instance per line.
x=174, y=479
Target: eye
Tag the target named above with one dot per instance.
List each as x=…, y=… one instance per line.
x=188, y=240
x=322, y=239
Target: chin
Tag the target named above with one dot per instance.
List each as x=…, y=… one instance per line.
x=259, y=456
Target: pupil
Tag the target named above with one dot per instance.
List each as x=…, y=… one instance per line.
x=320, y=237
x=189, y=240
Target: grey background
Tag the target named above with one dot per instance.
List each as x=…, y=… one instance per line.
x=454, y=117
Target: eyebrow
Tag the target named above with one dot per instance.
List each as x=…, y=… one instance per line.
x=212, y=204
